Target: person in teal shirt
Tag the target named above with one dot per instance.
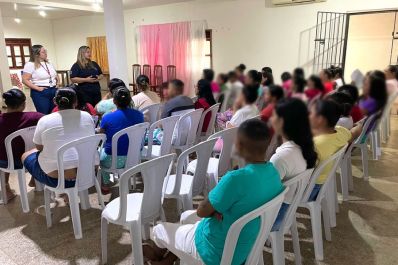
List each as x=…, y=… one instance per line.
x=238, y=193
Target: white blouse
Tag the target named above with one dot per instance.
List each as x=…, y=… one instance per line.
x=41, y=76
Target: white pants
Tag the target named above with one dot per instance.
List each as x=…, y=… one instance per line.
x=178, y=238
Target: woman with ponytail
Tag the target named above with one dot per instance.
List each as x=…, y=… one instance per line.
x=13, y=120
x=297, y=153
x=146, y=97
x=112, y=123
x=41, y=162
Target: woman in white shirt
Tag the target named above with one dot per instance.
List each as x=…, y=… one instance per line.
x=297, y=153
x=41, y=77
x=146, y=97
x=42, y=161
x=245, y=106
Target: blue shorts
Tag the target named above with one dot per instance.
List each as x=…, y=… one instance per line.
x=280, y=217
x=315, y=192
x=17, y=164
x=32, y=165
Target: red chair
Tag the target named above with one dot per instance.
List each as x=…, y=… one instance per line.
x=158, y=79
x=171, y=72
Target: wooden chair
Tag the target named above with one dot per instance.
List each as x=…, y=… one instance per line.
x=136, y=73
x=146, y=70
x=171, y=72
x=158, y=79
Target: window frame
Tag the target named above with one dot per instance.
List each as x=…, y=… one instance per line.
x=209, y=37
x=18, y=42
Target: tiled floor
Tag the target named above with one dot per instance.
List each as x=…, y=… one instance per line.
x=367, y=231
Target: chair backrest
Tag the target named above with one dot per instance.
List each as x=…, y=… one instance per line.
x=228, y=137
x=203, y=152
x=187, y=126
x=158, y=75
x=367, y=128
x=153, y=173
x=146, y=70
x=136, y=136
x=168, y=125
x=136, y=72
x=267, y=213
x=27, y=136
x=335, y=160
x=213, y=110
x=296, y=187
x=171, y=72
x=87, y=153
x=153, y=112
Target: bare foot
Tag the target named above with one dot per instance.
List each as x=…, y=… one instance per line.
x=10, y=193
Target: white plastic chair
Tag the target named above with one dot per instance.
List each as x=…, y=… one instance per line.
x=184, y=187
x=221, y=165
x=168, y=125
x=296, y=187
x=27, y=136
x=137, y=209
x=87, y=153
x=185, y=132
x=267, y=213
x=202, y=136
x=152, y=112
x=347, y=183
x=136, y=135
x=385, y=119
x=323, y=201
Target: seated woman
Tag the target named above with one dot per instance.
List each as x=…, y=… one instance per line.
x=41, y=162
x=391, y=73
x=205, y=100
x=346, y=102
x=315, y=88
x=287, y=82
x=146, y=97
x=208, y=74
x=253, y=78
x=238, y=193
x=272, y=96
x=297, y=152
x=351, y=90
x=11, y=121
x=81, y=103
x=326, y=76
x=112, y=123
x=106, y=105
x=245, y=107
x=374, y=96
x=328, y=137
x=298, y=87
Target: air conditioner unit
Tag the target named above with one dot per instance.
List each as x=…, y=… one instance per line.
x=294, y=2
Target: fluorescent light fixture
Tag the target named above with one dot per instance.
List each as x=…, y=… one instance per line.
x=15, y=6
x=96, y=5
x=42, y=13
x=17, y=20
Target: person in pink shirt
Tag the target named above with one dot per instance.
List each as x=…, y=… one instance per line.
x=287, y=82
x=208, y=75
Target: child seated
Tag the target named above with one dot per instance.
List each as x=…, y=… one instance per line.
x=346, y=102
x=238, y=193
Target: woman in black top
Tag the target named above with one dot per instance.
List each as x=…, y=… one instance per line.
x=86, y=74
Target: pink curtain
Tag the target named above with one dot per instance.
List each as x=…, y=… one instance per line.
x=168, y=44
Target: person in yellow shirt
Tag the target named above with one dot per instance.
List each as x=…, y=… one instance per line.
x=328, y=138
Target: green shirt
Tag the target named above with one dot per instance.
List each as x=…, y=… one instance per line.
x=238, y=193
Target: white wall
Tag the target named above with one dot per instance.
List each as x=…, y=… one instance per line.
x=249, y=31
x=39, y=30
x=5, y=80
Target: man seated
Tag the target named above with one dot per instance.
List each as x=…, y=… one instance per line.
x=238, y=193
x=177, y=101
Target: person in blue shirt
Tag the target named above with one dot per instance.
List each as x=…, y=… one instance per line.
x=112, y=123
x=238, y=193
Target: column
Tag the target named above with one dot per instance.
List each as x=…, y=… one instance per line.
x=116, y=39
x=5, y=80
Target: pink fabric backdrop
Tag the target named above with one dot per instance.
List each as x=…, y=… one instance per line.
x=168, y=44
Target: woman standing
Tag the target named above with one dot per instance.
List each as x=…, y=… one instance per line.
x=41, y=77
x=87, y=74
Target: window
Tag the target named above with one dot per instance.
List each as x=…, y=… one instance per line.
x=18, y=52
x=209, y=49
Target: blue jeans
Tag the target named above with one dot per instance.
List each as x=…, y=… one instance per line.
x=280, y=217
x=315, y=192
x=43, y=100
x=32, y=165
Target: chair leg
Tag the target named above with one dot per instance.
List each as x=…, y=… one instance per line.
x=344, y=179
x=84, y=200
x=365, y=161
x=278, y=248
x=136, y=243
x=99, y=193
x=326, y=220
x=349, y=174
x=75, y=213
x=39, y=186
x=296, y=243
x=315, y=212
x=23, y=191
x=331, y=202
x=187, y=203
x=4, y=198
x=104, y=240
x=47, y=206
x=146, y=233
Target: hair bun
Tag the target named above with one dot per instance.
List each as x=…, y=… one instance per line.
x=7, y=95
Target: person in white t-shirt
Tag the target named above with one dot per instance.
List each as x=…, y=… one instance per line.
x=41, y=77
x=245, y=106
x=297, y=153
x=70, y=124
x=146, y=97
x=391, y=73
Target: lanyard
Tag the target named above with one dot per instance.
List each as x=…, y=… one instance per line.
x=48, y=71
